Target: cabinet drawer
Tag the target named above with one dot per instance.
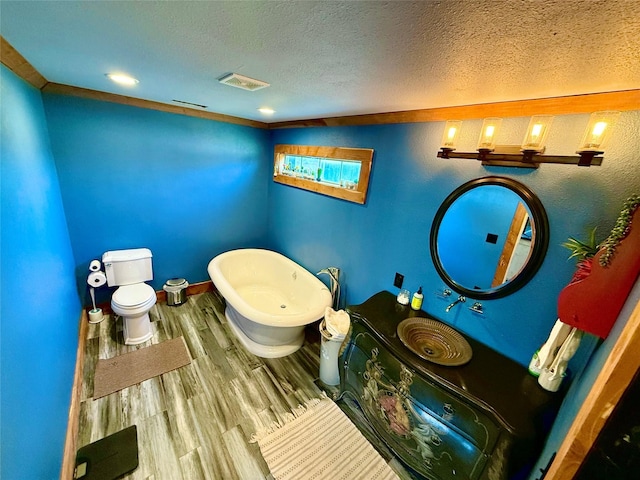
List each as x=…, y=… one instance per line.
x=419, y=438
x=451, y=410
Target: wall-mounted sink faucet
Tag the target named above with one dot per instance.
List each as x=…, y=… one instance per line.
x=461, y=299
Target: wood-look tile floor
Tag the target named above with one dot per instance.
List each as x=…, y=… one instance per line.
x=196, y=422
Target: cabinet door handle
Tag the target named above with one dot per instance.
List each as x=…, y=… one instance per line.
x=448, y=410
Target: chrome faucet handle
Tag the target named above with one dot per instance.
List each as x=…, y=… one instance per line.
x=477, y=308
x=333, y=272
x=444, y=294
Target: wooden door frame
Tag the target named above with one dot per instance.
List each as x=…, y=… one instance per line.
x=510, y=244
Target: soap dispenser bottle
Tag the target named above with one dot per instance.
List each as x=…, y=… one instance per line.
x=416, y=301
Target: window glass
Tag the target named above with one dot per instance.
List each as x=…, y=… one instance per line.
x=334, y=171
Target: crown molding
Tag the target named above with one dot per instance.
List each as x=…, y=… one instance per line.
x=19, y=65
x=69, y=90
x=619, y=100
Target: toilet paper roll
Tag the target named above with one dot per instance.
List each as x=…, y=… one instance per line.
x=97, y=279
x=94, y=266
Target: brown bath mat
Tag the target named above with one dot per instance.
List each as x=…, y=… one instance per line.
x=125, y=370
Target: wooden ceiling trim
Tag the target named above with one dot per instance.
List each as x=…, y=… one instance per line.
x=151, y=105
x=620, y=100
x=19, y=65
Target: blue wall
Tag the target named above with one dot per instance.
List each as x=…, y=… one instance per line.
x=390, y=233
x=186, y=188
x=40, y=308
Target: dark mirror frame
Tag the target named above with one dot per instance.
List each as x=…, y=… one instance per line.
x=540, y=224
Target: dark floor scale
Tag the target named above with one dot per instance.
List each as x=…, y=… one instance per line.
x=108, y=458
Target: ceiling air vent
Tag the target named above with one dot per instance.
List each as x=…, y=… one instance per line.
x=240, y=81
x=191, y=104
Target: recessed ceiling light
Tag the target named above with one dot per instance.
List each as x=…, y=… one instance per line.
x=122, y=79
x=267, y=111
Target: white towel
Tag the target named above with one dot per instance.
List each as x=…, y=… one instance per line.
x=549, y=350
x=552, y=376
x=337, y=323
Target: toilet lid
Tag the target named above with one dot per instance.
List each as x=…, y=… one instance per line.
x=132, y=295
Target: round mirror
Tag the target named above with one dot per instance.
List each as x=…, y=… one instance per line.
x=489, y=237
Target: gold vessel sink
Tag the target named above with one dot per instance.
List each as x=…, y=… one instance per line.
x=434, y=341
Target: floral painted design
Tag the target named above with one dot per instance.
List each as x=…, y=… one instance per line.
x=394, y=412
x=391, y=405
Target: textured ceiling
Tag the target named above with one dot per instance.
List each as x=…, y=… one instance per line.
x=333, y=58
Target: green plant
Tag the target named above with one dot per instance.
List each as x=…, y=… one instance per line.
x=582, y=250
x=620, y=229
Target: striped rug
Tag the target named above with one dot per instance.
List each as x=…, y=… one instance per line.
x=320, y=442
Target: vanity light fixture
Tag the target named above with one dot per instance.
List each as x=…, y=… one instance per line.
x=597, y=134
x=122, y=79
x=450, y=136
x=487, y=140
x=530, y=153
x=536, y=136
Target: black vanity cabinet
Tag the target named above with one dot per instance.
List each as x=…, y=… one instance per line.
x=483, y=420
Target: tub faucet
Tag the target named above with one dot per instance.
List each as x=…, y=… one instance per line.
x=461, y=299
x=334, y=275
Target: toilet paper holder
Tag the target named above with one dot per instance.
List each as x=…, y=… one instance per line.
x=96, y=278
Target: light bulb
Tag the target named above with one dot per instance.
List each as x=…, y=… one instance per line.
x=450, y=136
x=490, y=127
x=598, y=131
x=536, y=136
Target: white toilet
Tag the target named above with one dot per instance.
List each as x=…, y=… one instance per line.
x=128, y=270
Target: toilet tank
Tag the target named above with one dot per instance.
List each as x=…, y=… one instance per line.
x=126, y=267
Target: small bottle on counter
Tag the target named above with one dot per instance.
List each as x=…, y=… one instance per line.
x=416, y=301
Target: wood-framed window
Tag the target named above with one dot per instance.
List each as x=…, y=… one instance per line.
x=334, y=171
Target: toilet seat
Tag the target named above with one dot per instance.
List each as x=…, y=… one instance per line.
x=133, y=297
x=132, y=303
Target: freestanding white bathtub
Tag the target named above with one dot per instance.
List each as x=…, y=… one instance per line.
x=270, y=299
